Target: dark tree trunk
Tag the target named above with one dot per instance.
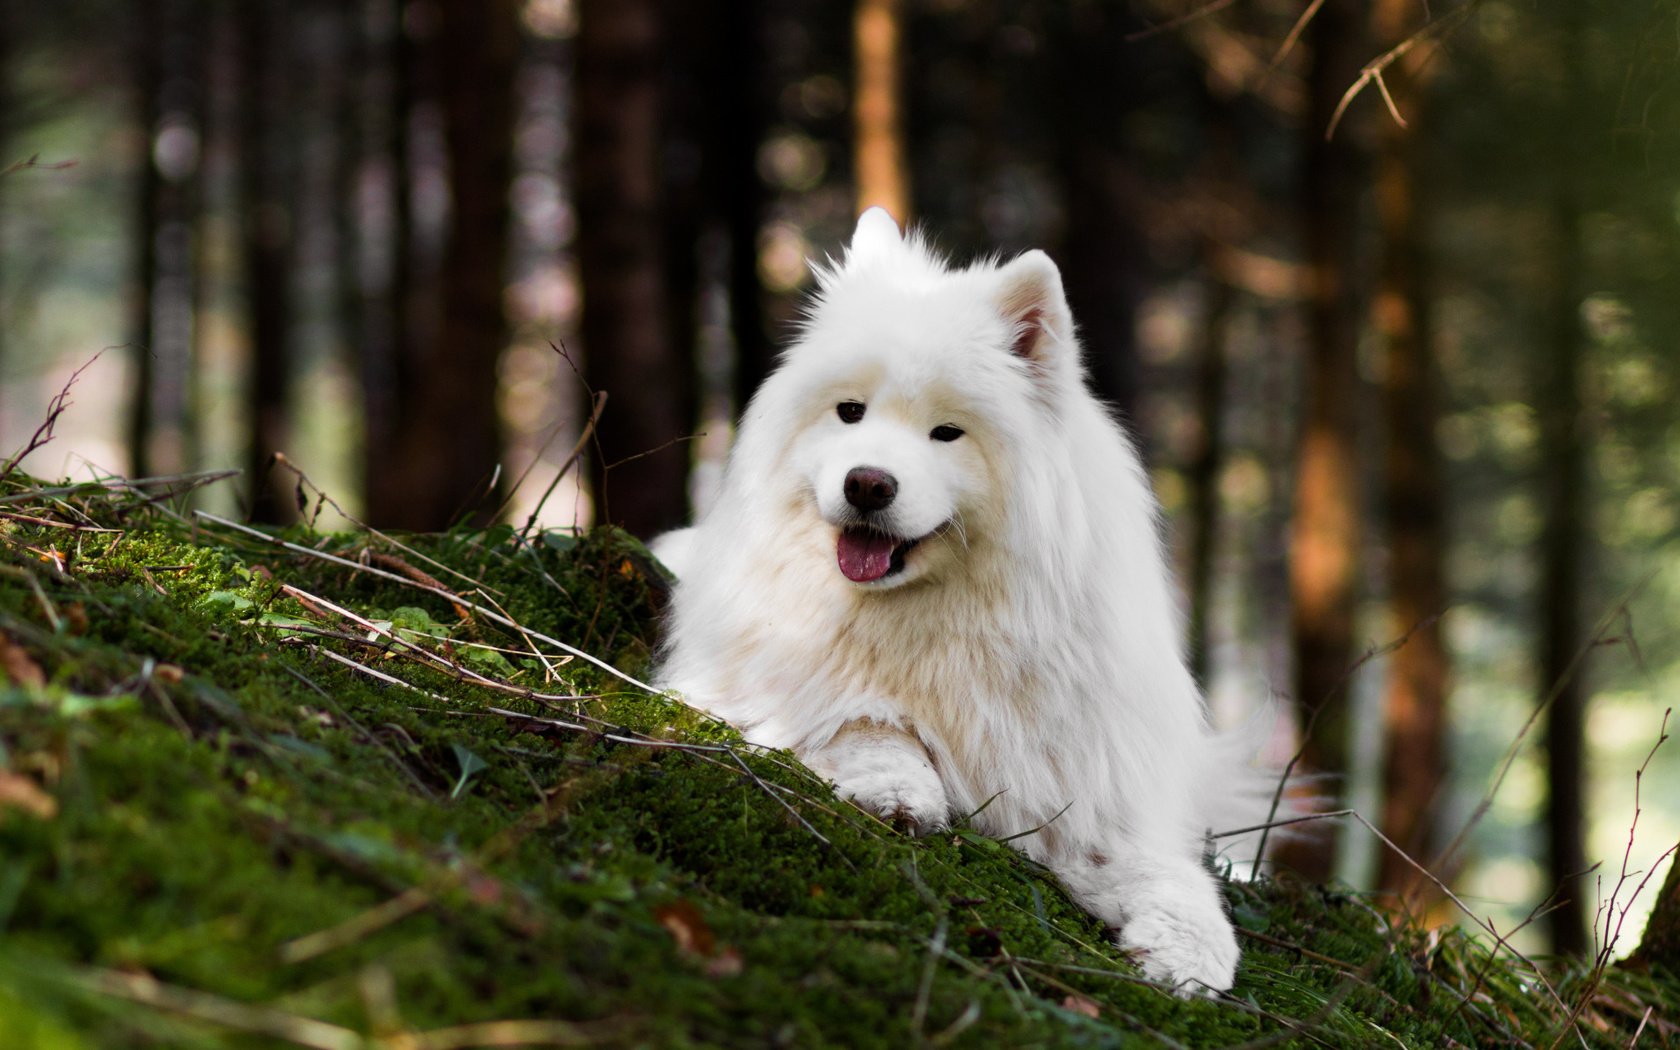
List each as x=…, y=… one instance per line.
x=639, y=476
x=9, y=28
x=149, y=58
x=1563, y=495
x=265, y=182
x=1414, y=708
x=1325, y=540
x=738, y=129
x=389, y=361
x=1103, y=256
x=449, y=444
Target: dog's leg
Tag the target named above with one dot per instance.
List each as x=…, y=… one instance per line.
x=1166, y=909
x=885, y=770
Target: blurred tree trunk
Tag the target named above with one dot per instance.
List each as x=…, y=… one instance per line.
x=1563, y=495
x=9, y=28
x=881, y=171
x=1103, y=256
x=739, y=124
x=148, y=86
x=351, y=132
x=448, y=440
x=266, y=180
x=1219, y=299
x=1660, y=945
x=1414, y=761
x=389, y=360
x=639, y=476
x=1206, y=462
x=1325, y=536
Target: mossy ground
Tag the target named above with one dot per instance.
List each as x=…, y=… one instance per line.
x=214, y=833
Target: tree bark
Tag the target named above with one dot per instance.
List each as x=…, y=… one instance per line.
x=1660, y=945
x=1414, y=706
x=882, y=174
x=1325, y=534
x=639, y=476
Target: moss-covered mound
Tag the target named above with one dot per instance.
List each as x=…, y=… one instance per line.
x=352, y=791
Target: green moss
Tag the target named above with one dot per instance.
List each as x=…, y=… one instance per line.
x=248, y=836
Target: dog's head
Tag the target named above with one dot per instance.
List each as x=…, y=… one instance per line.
x=918, y=394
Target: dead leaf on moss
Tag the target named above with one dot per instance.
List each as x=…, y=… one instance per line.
x=18, y=666
x=1081, y=1005
x=687, y=926
x=19, y=792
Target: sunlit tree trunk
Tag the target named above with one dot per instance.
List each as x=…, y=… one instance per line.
x=639, y=476
x=1325, y=534
x=882, y=174
x=1414, y=706
x=1563, y=495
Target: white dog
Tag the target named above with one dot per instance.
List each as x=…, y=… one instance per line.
x=933, y=571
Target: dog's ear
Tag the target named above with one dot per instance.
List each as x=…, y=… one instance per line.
x=876, y=235
x=1030, y=298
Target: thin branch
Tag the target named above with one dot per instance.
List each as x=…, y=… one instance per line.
x=1185, y=19
x=441, y=592
x=55, y=408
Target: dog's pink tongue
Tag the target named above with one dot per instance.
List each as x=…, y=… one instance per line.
x=864, y=555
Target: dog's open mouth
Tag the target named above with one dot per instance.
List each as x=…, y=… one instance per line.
x=866, y=555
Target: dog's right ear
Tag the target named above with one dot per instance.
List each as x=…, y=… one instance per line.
x=1031, y=299
x=876, y=235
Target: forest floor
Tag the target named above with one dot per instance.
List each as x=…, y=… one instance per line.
x=355, y=790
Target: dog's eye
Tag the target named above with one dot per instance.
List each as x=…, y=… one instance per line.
x=849, y=411
x=946, y=433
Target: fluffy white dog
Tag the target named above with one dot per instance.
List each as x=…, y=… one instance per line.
x=933, y=570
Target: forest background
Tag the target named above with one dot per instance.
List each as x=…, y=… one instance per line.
x=1387, y=290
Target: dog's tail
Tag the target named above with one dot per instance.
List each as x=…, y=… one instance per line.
x=1249, y=805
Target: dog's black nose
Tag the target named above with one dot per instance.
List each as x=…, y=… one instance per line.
x=870, y=488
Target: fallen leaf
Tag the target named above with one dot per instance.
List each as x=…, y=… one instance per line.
x=687, y=927
x=18, y=665
x=19, y=792
x=1081, y=1005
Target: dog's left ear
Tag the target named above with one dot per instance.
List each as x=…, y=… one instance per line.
x=1030, y=298
x=876, y=235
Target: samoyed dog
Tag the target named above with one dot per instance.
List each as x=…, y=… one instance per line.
x=933, y=570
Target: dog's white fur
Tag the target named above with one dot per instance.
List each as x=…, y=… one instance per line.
x=1026, y=658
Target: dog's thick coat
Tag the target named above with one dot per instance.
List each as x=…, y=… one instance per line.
x=933, y=570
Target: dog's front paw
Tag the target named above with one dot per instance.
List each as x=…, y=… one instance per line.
x=909, y=797
x=885, y=770
x=1188, y=945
